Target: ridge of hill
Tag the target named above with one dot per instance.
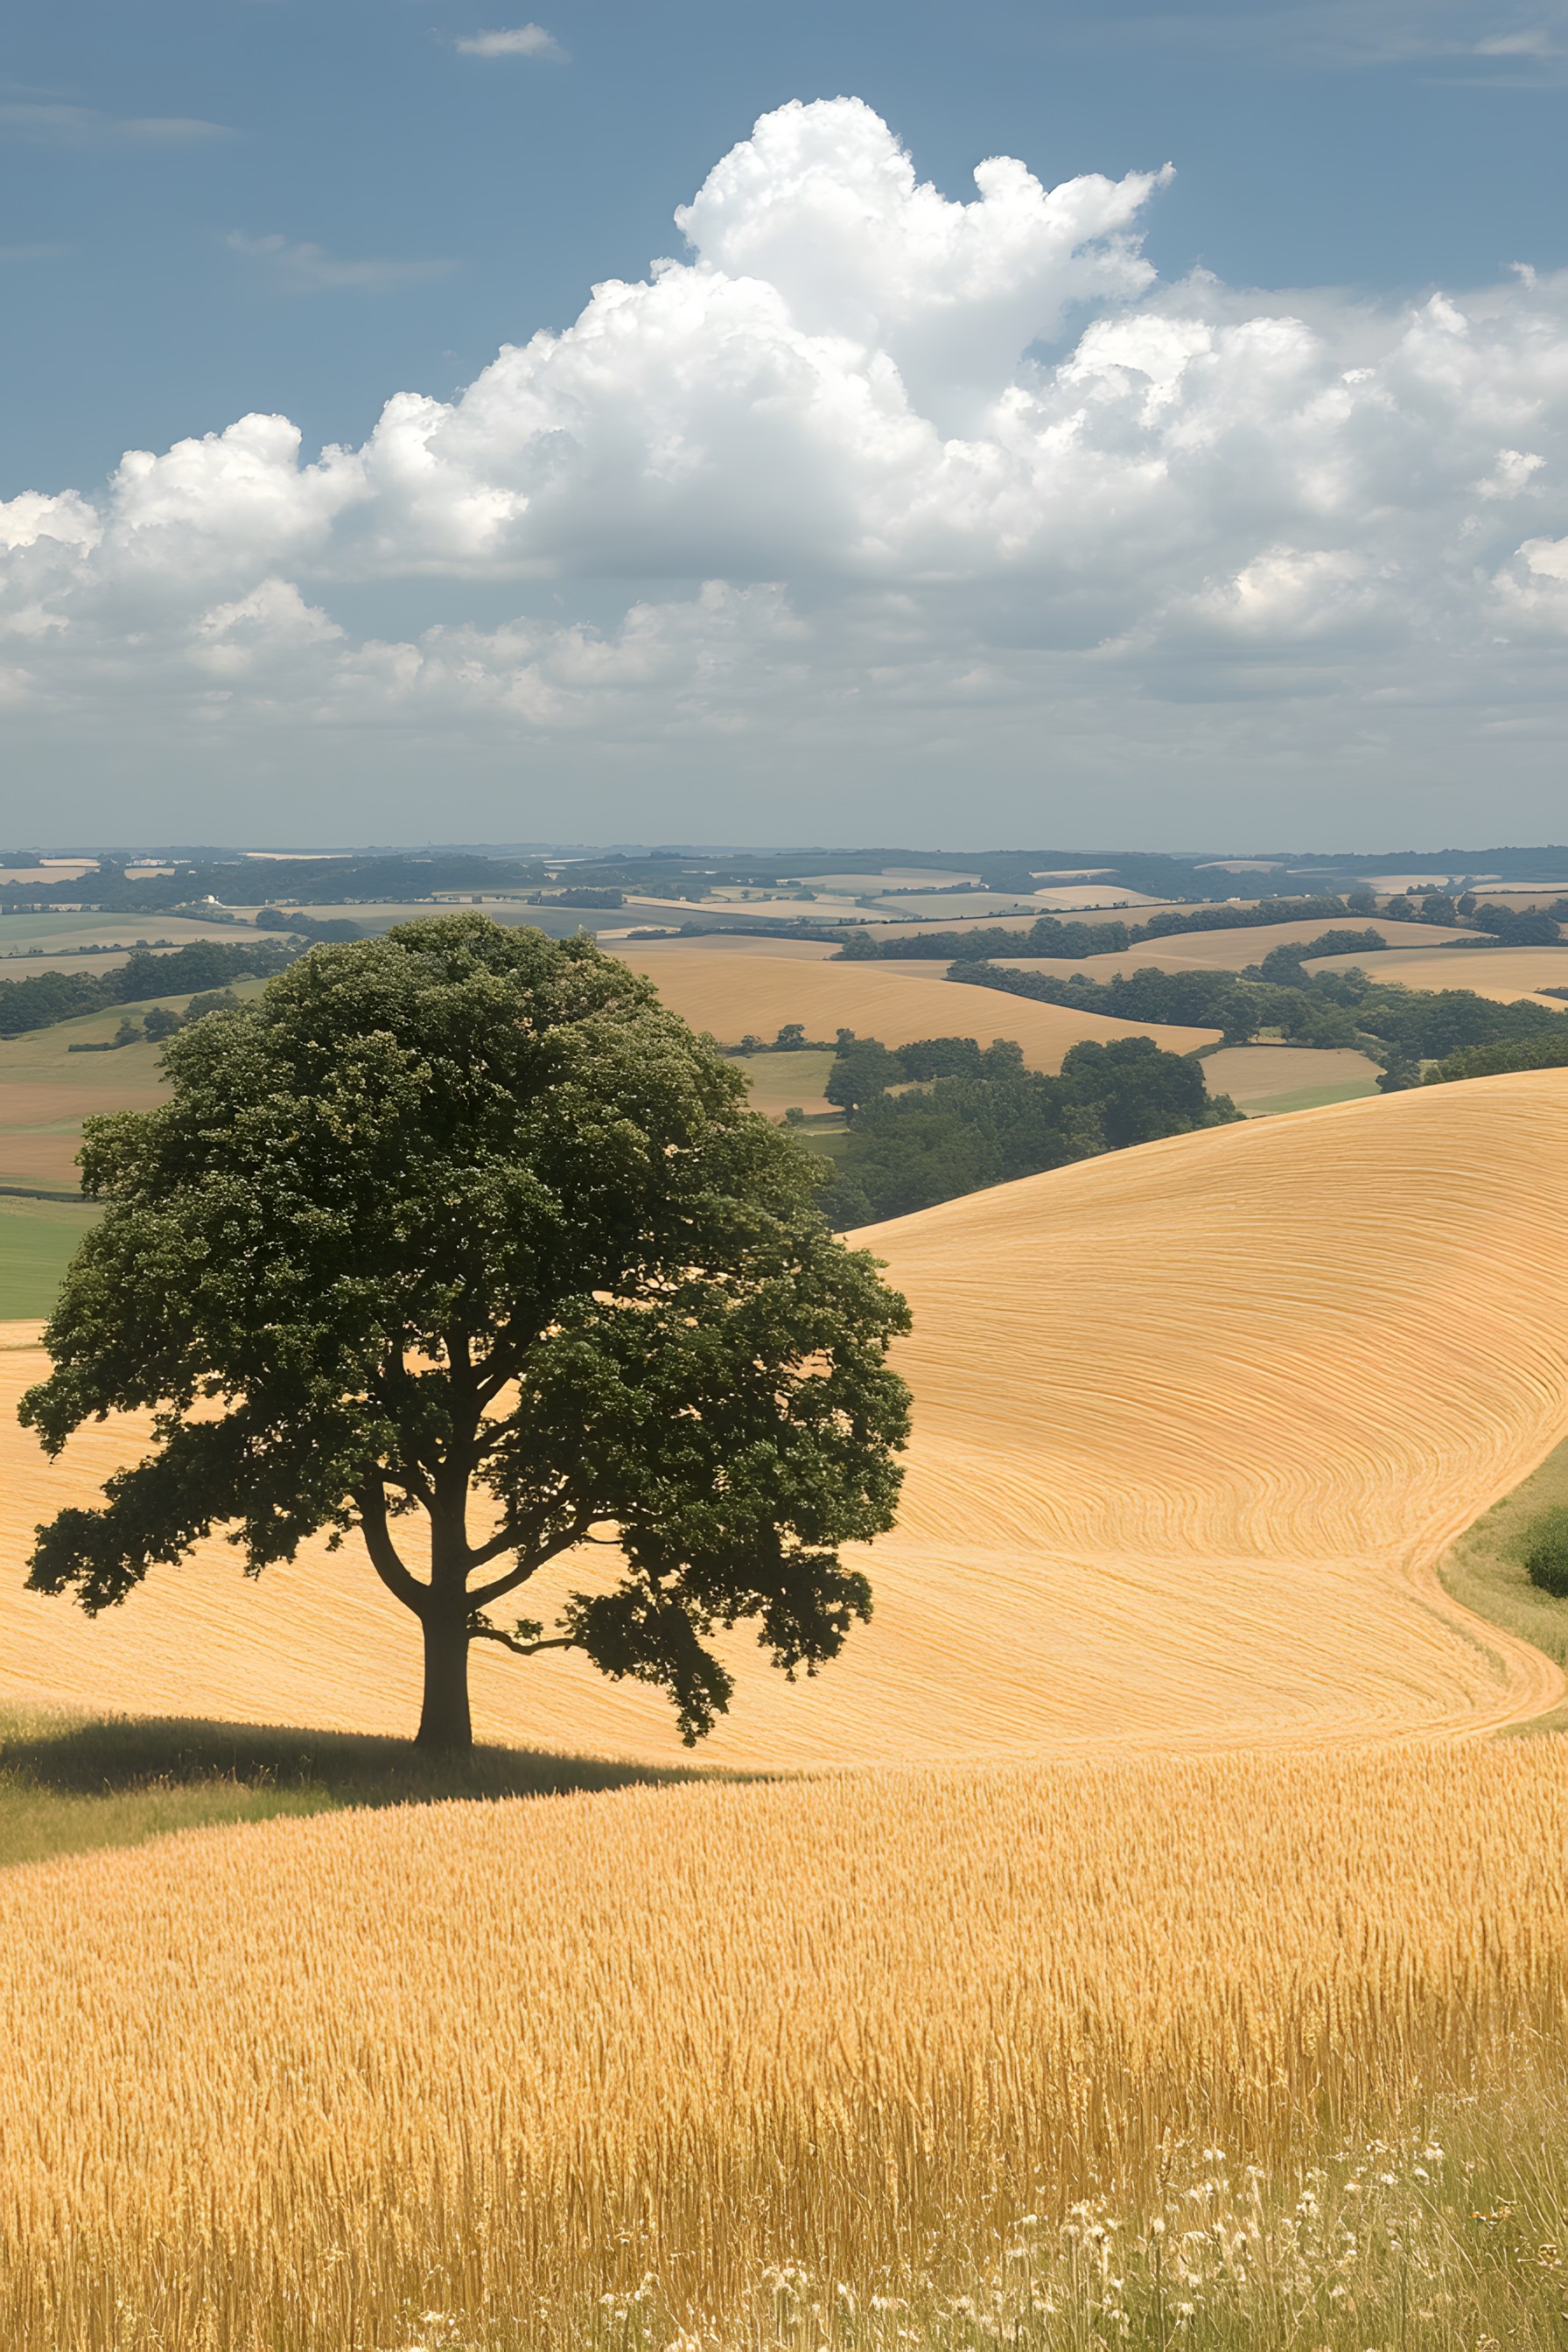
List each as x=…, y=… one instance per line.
x=1193, y=1424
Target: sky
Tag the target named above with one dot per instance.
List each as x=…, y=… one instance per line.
x=664, y=420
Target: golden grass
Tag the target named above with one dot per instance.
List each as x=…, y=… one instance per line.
x=731, y=995
x=1504, y=973
x=1192, y=1424
x=558, y=2073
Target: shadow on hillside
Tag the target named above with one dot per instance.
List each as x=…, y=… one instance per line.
x=121, y=1754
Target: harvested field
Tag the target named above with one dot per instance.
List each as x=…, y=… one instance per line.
x=1260, y=1078
x=619, y=2058
x=1505, y=973
x=1131, y=1522
x=731, y=995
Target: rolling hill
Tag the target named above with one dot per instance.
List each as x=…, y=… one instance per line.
x=1193, y=1422
x=731, y=995
x=1505, y=974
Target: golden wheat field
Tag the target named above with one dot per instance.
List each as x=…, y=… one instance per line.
x=730, y=995
x=1504, y=973
x=1192, y=1424
x=601, y=2069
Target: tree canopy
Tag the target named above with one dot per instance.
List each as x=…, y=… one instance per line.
x=461, y=1217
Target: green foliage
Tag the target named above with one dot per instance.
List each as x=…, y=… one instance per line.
x=464, y=1213
x=1400, y=1026
x=1544, y=1052
x=308, y=927
x=983, y=1118
x=1518, y=926
x=1285, y=965
x=1545, y=1551
x=861, y=1072
x=51, y=996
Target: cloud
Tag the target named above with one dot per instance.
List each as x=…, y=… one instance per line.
x=919, y=485
x=52, y=124
x=521, y=41
x=308, y=269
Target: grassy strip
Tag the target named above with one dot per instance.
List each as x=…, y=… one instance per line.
x=72, y=1783
x=1485, y=1569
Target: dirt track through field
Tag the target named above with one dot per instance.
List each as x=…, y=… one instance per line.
x=1193, y=1424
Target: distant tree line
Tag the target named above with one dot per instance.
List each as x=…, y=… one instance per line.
x=1398, y=1027
x=160, y=1021
x=1051, y=936
x=1545, y=1052
x=325, y=881
x=48, y=997
x=309, y=926
x=975, y=1115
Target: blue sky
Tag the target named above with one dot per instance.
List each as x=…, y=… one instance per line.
x=257, y=207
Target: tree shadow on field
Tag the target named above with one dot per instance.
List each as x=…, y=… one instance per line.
x=69, y=1783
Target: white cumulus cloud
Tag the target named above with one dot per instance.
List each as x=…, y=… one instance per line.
x=966, y=483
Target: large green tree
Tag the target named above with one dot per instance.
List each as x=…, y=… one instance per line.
x=460, y=1224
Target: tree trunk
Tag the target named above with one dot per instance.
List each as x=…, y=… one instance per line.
x=444, y=1721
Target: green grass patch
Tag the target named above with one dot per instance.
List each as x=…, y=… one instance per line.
x=37, y=1240
x=72, y=1783
x=1485, y=1569
x=1311, y=1097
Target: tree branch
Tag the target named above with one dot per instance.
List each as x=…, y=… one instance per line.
x=500, y=1586
x=383, y=1553
x=481, y=1630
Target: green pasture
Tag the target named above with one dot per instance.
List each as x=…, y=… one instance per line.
x=1313, y=1098
x=1485, y=1570
x=37, y=1240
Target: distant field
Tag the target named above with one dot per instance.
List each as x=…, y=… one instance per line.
x=780, y=1082
x=1265, y=1078
x=46, y=1090
x=724, y=943
x=1234, y=950
x=58, y=939
x=1190, y=1431
x=731, y=996
x=37, y=1240
x=1504, y=973
x=1137, y=911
